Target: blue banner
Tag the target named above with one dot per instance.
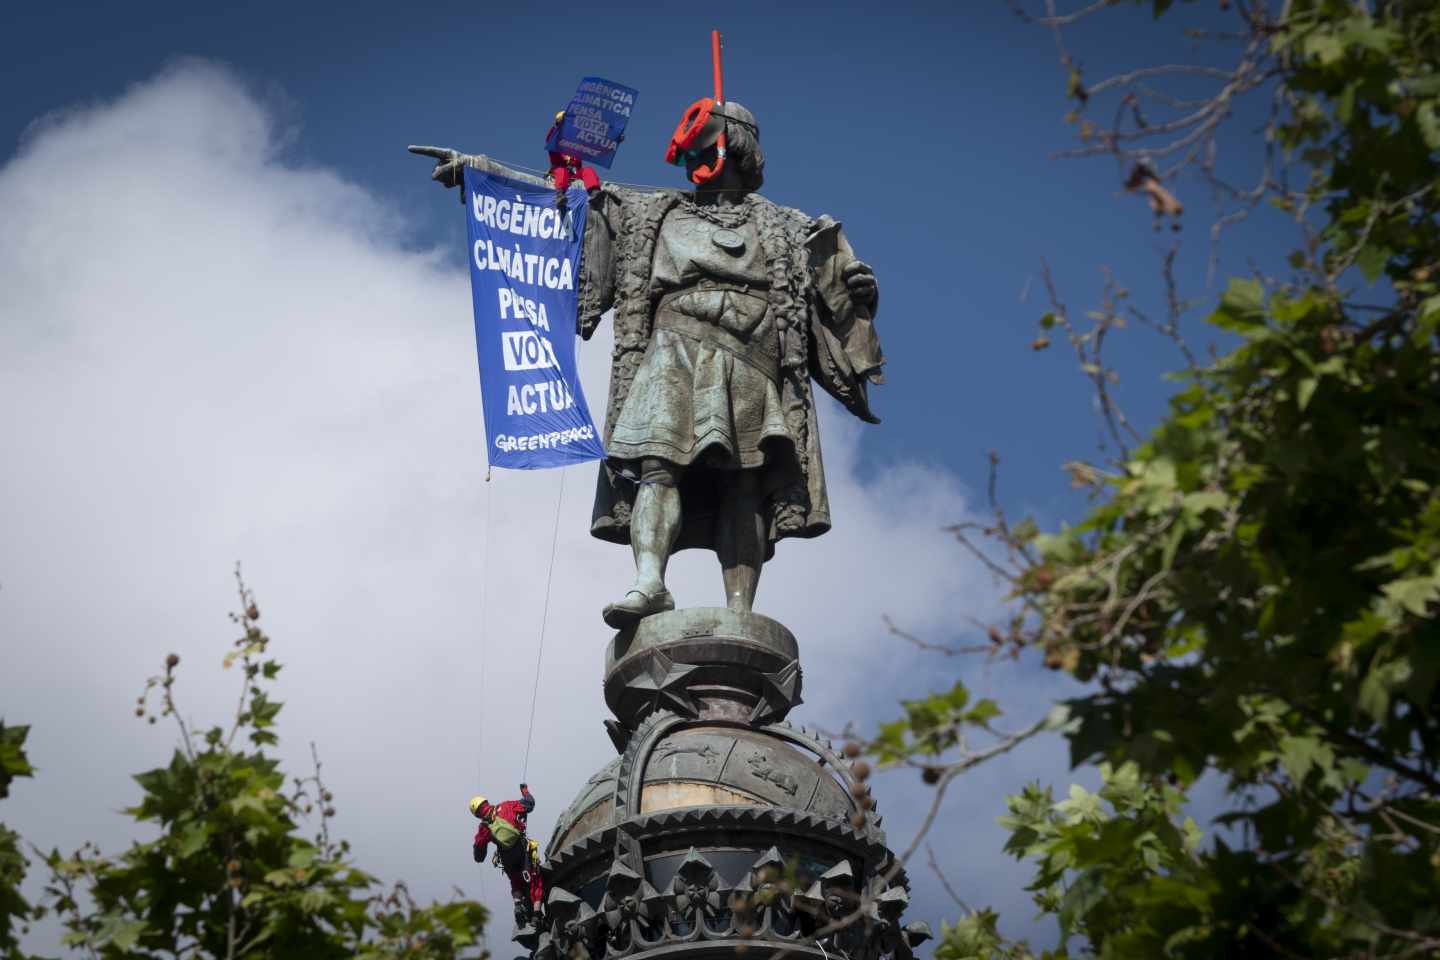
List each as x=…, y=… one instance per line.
x=594, y=121
x=524, y=259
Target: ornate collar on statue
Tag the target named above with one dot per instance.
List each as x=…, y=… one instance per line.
x=729, y=215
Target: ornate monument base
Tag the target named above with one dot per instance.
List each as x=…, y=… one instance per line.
x=707, y=662
x=719, y=826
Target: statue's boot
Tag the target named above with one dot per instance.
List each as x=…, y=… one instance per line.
x=636, y=606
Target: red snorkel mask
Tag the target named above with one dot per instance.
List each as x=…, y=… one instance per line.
x=693, y=125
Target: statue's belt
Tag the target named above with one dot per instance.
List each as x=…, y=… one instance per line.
x=761, y=352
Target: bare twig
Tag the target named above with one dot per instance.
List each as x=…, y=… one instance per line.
x=1052, y=19
x=947, y=649
x=944, y=880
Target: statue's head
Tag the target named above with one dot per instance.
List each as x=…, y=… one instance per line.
x=713, y=138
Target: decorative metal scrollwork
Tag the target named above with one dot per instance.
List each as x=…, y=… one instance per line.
x=761, y=902
x=697, y=908
x=633, y=911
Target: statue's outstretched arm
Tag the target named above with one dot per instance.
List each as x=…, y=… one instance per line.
x=449, y=164
x=597, y=287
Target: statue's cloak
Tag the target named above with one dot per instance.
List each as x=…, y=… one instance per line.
x=823, y=334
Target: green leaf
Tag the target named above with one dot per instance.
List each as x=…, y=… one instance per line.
x=1081, y=806
x=1298, y=755
x=1362, y=31
x=1372, y=260
x=983, y=712
x=1427, y=116
x=1203, y=500
x=280, y=878
x=13, y=761
x=1172, y=545
x=1425, y=86
x=1087, y=892
x=124, y=934
x=1193, y=835
x=193, y=838
x=1244, y=295
x=313, y=900
x=1242, y=307
x=1376, y=689
x=1304, y=391
x=1324, y=47
x=1415, y=594
x=1344, y=108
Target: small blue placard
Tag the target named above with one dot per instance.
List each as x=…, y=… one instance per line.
x=594, y=121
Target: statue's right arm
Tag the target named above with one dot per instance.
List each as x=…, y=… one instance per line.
x=597, y=282
x=450, y=164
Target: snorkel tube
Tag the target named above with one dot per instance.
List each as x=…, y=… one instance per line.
x=693, y=123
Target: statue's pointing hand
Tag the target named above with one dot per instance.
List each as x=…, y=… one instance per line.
x=860, y=281
x=449, y=164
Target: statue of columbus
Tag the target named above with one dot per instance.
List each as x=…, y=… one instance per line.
x=726, y=307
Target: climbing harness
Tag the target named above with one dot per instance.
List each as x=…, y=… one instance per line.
x=532, y=858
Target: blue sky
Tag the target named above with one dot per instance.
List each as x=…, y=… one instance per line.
x=295, y=387
x=925, y=128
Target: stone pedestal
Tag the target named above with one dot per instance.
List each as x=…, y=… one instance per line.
x=706, y=662
x=720, y=826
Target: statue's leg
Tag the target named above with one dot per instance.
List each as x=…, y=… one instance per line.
x=654, y=525
x=740, y=540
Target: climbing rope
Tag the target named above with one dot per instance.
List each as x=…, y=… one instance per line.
x=544, y=620
x=484, y=612
x=484, y=634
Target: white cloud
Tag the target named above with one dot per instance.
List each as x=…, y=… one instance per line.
x=208, y=354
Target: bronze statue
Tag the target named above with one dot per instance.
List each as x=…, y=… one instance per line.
x=725, y=307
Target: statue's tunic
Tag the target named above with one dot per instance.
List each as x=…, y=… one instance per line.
x=708, y=387
x=721, y=318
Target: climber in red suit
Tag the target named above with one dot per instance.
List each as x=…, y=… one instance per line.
x=505, y=825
